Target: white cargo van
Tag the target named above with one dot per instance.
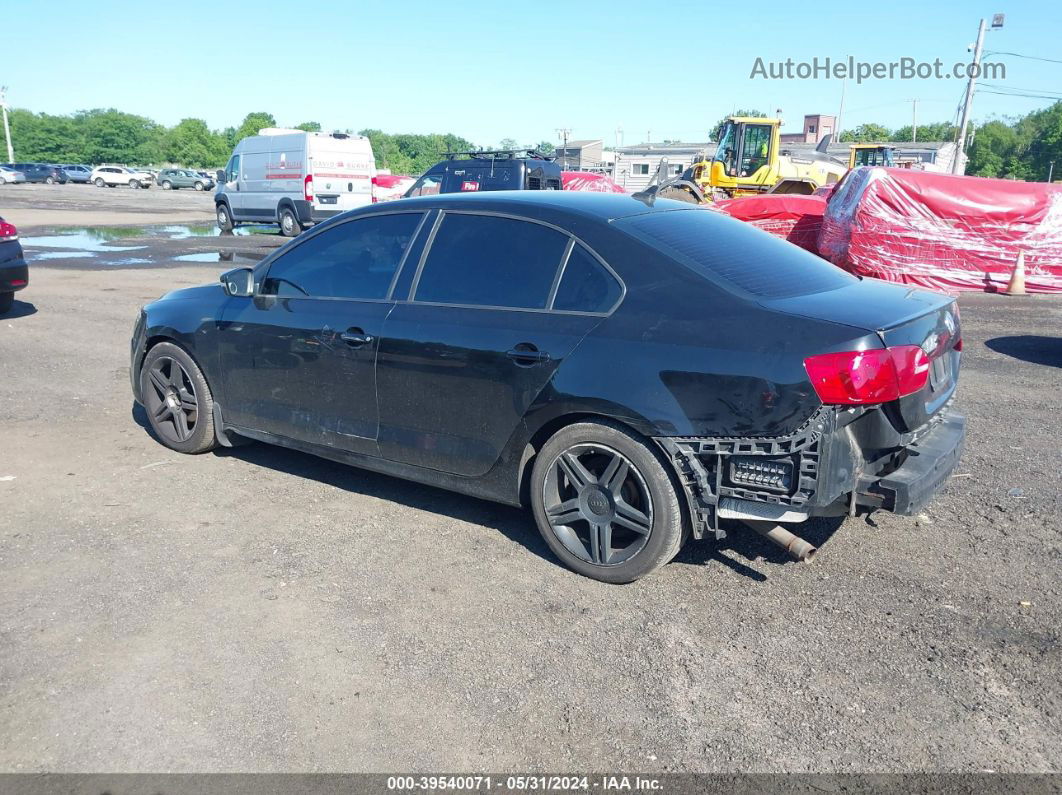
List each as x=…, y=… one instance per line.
x=294, y=178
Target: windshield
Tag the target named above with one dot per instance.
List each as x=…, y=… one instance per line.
x=725, y=151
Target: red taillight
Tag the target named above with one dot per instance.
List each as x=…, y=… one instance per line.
x=17, y=283
x=7, y=232
x=307, y=187
x=876, y=376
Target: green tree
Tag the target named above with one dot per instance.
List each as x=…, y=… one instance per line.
x=717, y=130
x=545, y=148
x=251, y=124
x=309, y=126
x=508, y=143
x=865, y=133
x=192, y=143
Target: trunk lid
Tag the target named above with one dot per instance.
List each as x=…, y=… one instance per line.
x=898, y=315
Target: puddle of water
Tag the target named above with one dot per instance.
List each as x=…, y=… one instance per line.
x=218, y=256
x=185, y=231
x=59, y=255
x=83, y=239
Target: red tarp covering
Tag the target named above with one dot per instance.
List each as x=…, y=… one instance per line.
x=586, y=180
x=945, y=232
x=387, y=187
x=795, y=217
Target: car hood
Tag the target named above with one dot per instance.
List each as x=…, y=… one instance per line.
x=195, y=293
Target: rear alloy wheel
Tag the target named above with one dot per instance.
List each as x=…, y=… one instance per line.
x=177, y=399
x=289, y=224
x=49, y=180
x=166, y=184
x=224, y=218
x=605, y=503
x=99, y=182
x=134, y=184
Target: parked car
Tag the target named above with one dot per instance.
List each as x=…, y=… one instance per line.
x=14, y=275
x=634, y=371
x=77, y=173
x=294, y=179
x=211, y=182
x=110, y=176
x=477, y=171
x=8, y=174
x=174, y=178
x=39, y=172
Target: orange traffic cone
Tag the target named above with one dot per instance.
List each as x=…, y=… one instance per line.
x=1017, y=277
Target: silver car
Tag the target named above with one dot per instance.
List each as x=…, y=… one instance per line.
x=10, y=175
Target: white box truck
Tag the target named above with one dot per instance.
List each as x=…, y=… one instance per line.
x=294, y=179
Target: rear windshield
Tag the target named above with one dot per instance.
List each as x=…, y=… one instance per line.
x=735, y=254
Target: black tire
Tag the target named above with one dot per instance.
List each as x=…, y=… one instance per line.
x=224, y=217
x=49, y=180
x=167, y=185
x=289, y=223
x=677, y=194
x=6, y=300
x=99, y=182
x=169, y=394
x=644, y=485
x=199, y=186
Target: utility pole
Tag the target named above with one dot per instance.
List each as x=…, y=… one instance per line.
x=563, y=134
x=7, y=129
x=975, y=68
x=840, y=113
x=914, y=120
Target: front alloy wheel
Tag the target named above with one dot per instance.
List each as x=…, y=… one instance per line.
x=177, y=399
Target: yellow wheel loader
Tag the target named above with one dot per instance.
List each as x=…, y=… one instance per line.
x=750, y=160
x=871, y=155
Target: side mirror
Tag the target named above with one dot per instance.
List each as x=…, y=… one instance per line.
x=220, y=174
x=239, y=282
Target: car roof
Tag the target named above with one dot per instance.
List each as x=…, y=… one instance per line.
x=598, y=206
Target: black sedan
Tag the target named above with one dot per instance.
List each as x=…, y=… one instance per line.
x=635, y=372
x=14, y=274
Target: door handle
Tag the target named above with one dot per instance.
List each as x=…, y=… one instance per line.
x=526, y=354
x=355, y=337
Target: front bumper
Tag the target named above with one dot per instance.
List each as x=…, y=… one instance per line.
x=14, y=276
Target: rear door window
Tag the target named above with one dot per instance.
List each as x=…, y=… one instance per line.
x=735, y=255
x=482, y=260
x=355, y=260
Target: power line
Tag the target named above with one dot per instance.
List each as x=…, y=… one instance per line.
x=1030, y=57
x=1021, y=96
x=1016, y=88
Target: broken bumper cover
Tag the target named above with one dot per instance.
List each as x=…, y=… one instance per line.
x=837, y=461
x=930, y=461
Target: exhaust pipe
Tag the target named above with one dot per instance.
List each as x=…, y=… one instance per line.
x=797, y=547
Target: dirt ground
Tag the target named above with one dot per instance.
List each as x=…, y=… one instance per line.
x=262, y=610
x=86, y=205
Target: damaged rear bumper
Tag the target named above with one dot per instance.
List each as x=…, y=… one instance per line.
x=839, y=461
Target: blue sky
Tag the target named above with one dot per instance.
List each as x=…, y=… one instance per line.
x=489, y=70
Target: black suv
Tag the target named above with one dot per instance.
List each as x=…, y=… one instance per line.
x=504, y=169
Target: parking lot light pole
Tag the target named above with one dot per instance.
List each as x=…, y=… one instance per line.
x=7, y=129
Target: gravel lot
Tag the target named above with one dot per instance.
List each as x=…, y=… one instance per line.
x=262, y=610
